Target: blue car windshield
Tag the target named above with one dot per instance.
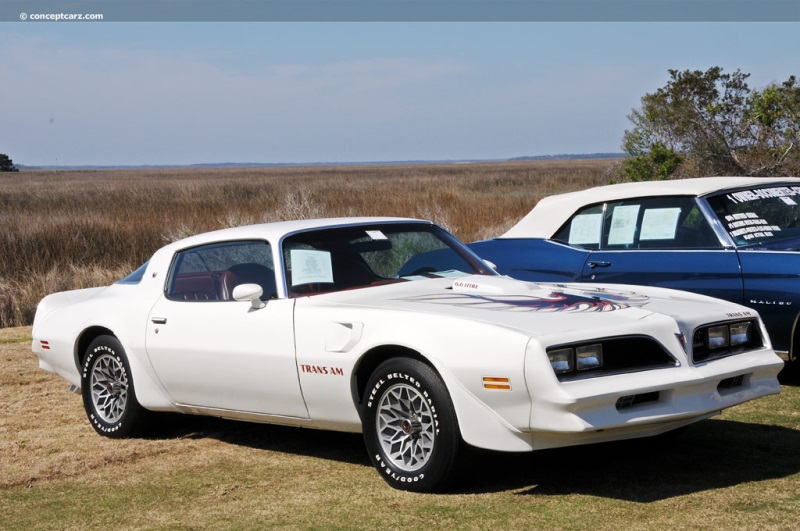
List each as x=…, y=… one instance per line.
x=759, y=215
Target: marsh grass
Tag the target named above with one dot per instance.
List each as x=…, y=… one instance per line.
x=65, y=230
x=740, y=470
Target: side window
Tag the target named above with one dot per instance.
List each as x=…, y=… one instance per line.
x=583, y=229
x=211, y=272
x=657, y=223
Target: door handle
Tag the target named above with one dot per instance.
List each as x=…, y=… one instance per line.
x=159, y=320
x=599, y=264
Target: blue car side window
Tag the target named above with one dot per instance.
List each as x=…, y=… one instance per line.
x=584, y=229
x=657, y=223
x=646, y=223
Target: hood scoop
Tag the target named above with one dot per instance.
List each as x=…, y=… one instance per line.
x=497, y=285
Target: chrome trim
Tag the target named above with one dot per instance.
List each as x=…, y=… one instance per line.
x=716, y=225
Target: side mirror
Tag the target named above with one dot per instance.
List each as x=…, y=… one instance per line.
x=249, y=292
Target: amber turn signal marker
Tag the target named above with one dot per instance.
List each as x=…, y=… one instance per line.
x=502, y=384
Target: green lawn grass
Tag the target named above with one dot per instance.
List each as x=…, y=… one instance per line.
x=740, y=470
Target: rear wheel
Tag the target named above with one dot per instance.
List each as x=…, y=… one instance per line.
x=109, y=397
x=410, y=427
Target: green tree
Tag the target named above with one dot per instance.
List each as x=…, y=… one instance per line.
x=6, y=164
x=712, y=123
x=657, y=164
x=773, y=116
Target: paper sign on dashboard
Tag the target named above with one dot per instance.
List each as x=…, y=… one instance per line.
x=310, y=267
x=376, y=235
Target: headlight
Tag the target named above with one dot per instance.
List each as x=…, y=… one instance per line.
x=741, y=333
x=589, y=357
x=561, y=360
x=607, y=356
x=718, y=337
x=580, y=358
x=720, y=340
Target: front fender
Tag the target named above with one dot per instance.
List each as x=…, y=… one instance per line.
x=480, y=426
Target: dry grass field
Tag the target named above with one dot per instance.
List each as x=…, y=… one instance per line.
x=72, y=229
x=737, y=471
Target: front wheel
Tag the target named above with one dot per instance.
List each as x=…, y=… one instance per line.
x=107, y=388
x=410, y=426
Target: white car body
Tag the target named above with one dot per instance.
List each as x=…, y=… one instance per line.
x=304, y=360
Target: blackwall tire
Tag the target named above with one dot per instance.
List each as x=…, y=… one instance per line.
x=410, y=426
x=109, y=397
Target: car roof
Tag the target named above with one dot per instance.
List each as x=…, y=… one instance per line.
x=277, y=230
x=552, y=212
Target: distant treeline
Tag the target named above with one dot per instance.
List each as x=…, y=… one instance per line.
x=584, y=156
x=573, y=156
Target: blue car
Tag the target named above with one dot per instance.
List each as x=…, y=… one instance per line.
x=734, y=238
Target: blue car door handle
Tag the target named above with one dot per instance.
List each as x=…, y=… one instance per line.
x=599, y=264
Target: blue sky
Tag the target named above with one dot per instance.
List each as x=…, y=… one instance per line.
x=184, y=93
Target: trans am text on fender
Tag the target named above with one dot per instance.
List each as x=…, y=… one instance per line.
x=393, y=328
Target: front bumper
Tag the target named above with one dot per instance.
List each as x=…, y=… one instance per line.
x=645, y=403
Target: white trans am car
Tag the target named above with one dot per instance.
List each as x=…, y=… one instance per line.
x=393, y=328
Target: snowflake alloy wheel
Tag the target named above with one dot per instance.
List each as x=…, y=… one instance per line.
x=405, y=427
x=109, y=388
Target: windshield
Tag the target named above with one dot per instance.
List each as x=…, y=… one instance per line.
x=759, y=214
x=369, y=255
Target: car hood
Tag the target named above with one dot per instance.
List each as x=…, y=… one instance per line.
x=539, y=309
